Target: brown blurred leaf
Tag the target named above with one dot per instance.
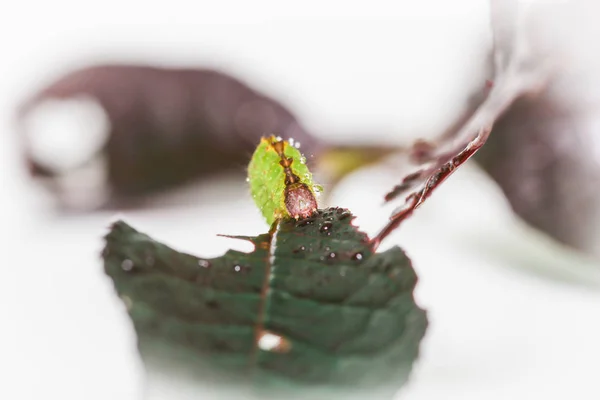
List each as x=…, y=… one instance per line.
x=169, y=127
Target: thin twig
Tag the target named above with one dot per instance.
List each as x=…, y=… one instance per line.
x=517, y=71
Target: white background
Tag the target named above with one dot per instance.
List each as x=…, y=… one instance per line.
x=511, y=315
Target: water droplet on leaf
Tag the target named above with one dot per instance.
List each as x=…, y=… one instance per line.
x=240, y=268
x=299, y=249
x=269, y=341
x=204, y=263
x=345, y=215
x=326, y=228
x=304, y=222
x=357, y=256
x=127, y=265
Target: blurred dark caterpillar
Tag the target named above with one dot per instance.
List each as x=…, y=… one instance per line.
x=167, y=127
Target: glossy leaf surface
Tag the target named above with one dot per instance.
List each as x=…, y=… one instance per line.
x=311, y=308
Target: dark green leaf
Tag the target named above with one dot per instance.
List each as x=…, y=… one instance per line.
x=344, y=316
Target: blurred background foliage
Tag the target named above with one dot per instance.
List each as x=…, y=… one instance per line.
x=155, y=114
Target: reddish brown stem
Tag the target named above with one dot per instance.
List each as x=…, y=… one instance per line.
x=415, y=199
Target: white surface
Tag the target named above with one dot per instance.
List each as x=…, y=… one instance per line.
x=55, y=132
x=502, y=324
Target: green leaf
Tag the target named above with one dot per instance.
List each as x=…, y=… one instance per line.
x=312, y=308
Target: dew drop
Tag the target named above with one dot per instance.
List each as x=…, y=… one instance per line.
x=357, y=256
x=269, y=341
x=127, y=265
x=299, y=249
x=291, y=141
x=332, y=255
x=240, y=268
x=279, y=138
x=304, y=222
x=302, y=160
x=326, y=228
x=248, y=179
x=345, y=215
x=204, y=263
x=297, y=145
